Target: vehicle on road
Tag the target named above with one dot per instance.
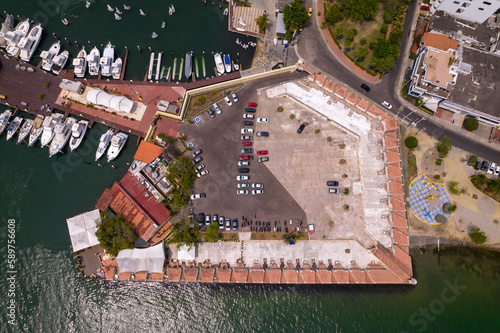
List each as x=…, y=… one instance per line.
x=247, y=123
x=217, y=108
x=233, y=95
x=242, y=192
x=265, y=134
x=257, y=191
x=332, y=183
x=247, y=150
x=250, y=110
x=310, y=12
x=198, y=196
x=246, y=130
x=203, y=173
x=365, y=87
x=240, y=178
x=261, y=152
x=198, y=152
x=263, y=159
x=228, y=101
x=387, y=105
x=246, y=143
x=301, y=128
x=243, y=185
x=257, y=185
x=252, y=104
x=243, y=163
x=248, y=116
x=243, y=170
x=197, y=160
x=263, y=120
x=211, y=112
x=333, y=190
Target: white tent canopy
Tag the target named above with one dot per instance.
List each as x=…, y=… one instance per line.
x=186, y=253
x=82, y=229
x=150, y=259
x=118, y=103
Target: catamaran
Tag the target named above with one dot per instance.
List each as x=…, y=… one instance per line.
x=103, y=144
x=48, y=56
x=62, y=133
x=13, y=126
x=116, y=69
x=59, y=62
x=80, y=63
x=48, y=128
x=117, y=143
x=37, y=130
x=93, y=60
x=25, y=130
x=218, y=63
x=107, y=59
x=77, y=133
x=29, y=43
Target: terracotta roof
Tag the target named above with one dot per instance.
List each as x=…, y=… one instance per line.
x=323, y=276
x=391, y=142
x=307, y=276
x=290, y=275
x=362, y=105
x=400, y=238
x=257, y=275
x=394, y=172
x=274, y=275
x=382, y=276
x=124, y=276
x=439, y=41
x=207, y=274
x=109, y=273
x=377, y=112
x=140, y=276
x=320, y=80
x=161, y=233
x=341, y=275
x=392, y=156
x=104, y=200
x=158, y=277
x=391, y=124
x=147, y=152
x=174, y=274
x=341, y=92
x=352, y=99
x=398, y=221
x=358, y=275
x=397, y=205
x=391, y=261
x=330, y=86
x=224, y=275
x=191, y=274
x=396, y=187
x=240, y=275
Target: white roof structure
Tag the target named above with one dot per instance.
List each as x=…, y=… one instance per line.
x=186, y=253
x=150, y=259
x=280, y=24
x=73, y=86
x=82, y=229
x=118, y=103
x=475, y=11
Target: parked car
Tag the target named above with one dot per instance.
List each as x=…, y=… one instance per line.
x=211, y=112
x=332, y=183
x=497, y=171
x=243, y=170
x=491, y=168
x=263, y=159
x=215, y=218
x=217, y=108
x=246, y=130
x=250, y=109
x=247, y=123
x=387, y=105
x=243, y=185
x=244, y=157
x=228, y=224
x=243, y=163
x=280, y=64
x=257, y=191
x=252, y=104
x=311, y=228
x=202, y=173
x=242, y=192
x=266, y=134
x=301, y=128
x=235, y=224
x=221, y=222
x=228, y=101
x=424, y=7
x=257, y=185
x=261, y=152
x=478, y=165
x=262, y=120
x=198, y=152
x=246, y=137
x=240, y=178
x=197, y=160
x=246, y=143
x=233, y=95
x=201, y=166
x=333, y=190
x=198, y=196
x=248, y=116
x=247, y=150
x=207, y=219
x=365, y=87
x=201, y=219
x=484, y=166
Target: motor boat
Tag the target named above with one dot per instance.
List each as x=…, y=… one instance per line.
x=93, y=61
x=65, y=21
x=111, y=9
x=126, y=7
x=172, y=8
x=25, y=130
x=13, y=127
x=87, y=4
x=13, y=37
x=116, y=69
x=62, y=133
x=29, y=43
x=236, y=66
x=48, y=56
x=103, y=144
x=7, y=25
x=154, y=35
x=48, y=128
x=59, y=62
x=219, y=64
x=226, y=11
x=37, y=130
x=4, y=120
x=107, y=59
x=227, y=63
x=117, y=143
x=188, y=68
x=117, y=17
x=80, y=63
x=163, y=24
x=77, y=133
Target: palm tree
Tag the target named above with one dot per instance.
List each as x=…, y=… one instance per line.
x=263, y=22
x=288, y=237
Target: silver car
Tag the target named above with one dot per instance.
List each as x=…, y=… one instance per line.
x=242, y=192
x=257, y=191
x=243, y=185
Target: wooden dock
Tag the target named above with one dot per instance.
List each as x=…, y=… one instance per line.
x=122, y=75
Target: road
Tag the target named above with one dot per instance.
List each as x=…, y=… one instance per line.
x=311, y=47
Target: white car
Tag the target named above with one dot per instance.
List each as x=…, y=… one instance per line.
x=246, y=130
x=201, y=166
x=198, y=196
x=240, y=178
x=246, y=137
x=262, y=120
x=257, y=191
x=228, y=101
x=491, y=168
x=203, y=173
x=217, y=108
x=243, y=185
x=233, y=95
x=497, y=171
x=248, y=116
x=242, y=192
x=387, y=105
x=243, y=163
x=257, y=185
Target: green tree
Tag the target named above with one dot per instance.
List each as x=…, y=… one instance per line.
x=181, y=174
x=334, y=14
x=287, y=237
x=294, y=16
x=443, y=146
x=362, y=41
x=262, y=22
x=183, y=234
x=116, y=234
x=471, y=124
x=384, y=28
x=411, y=142
x=388, y=17
x=347, y=43
x=338, y=32
x=361, y=52
x=212, y=233
x=477, y=236
x=351, y=34
x=360, y=10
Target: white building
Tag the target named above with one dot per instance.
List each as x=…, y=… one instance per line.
x=471, y=10
x=117, y=103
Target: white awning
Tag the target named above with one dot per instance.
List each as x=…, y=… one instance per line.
x=117, y=103
x=82, y=230
x=186, y=253
x=150, y=259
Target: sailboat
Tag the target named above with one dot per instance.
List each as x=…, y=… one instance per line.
x=154, y=35
x=117, y=17
x=118, y=11
x=111, y=9
x=142, y=13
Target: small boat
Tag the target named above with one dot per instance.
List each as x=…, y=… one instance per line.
x=118, y=11
x=87, y=4
x=188, y=68
x=116, y=69
x=126, y=7
x=37, y=130
x=240, y=21
x=142, y=13
x=173, y=8
x=107, y=59
x=236, y=66
x=170, y=11
x=65, y=21
x=48, y=128
x=154, y=35
x=111, y=9
x=93, y=60
x=226, y=11
x=25, y=130
x=13, y=126
x=227, y=63
x=62, y=133
x=7, y=25
x=29, y=43
x=48, y=56
x=77, y=133
x=103, y=144
x=219, y=63
x=163, y=24
x=4, y=120
x=59, y=62
x=117, y=143
x=117, y=17
x=80, y=63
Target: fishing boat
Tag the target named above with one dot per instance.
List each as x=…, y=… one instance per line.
x=103, y=144
x=226, y=11
x=80, y=63
x=62, y=133
x=87, y=4
x=37, y=130
x=65, y=21
x=25, y=130
x=48, y=128
x=118, y=11
x=154, y=35
x=219, y=64
x=77, y=133
x=117, y=17
x=116, y=69
x=227, y=63
x=126, y=7
x=13, y=126
x=163, y=24
x=108, y=56
x=188, y=68
x=29, y=43
x=4, y=120
x=93, y=60
x=59, y=62
x=111, y=9
x=48, y=56
x=142, y=13
x=117, y=143
x=236, y=66
x=13, y=37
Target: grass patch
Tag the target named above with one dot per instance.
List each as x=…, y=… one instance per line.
x=230, y=236
x=265, y=236
x=200, y=102
x=412, y=165
x=490, y=187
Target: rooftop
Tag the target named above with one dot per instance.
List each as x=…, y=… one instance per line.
x=147, y=152
x=439, y=41
x=438, y=69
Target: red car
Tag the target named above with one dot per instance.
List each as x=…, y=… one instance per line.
x=262, y=152
x=244, y=157
x=252, y=104
x=424, y=7
x=246, y=143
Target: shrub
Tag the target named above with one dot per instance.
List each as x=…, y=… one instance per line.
x=477, y=236
x=384, y=28
x=437, y=177
x=346, y=191
x=362, y=41
x=292, y=116
x=413, y=55
x=471, y=124
x=443, y=147
x=439, y=162
x=388, y=17
x=317, y=131
x=40, y=95
x=344, y=175
x=347, y=44
x=411, y=142
x=279, y=109
x=46, y=84
x=346, y=207
x=190, y=121
x=113, y=113
x=453, y=187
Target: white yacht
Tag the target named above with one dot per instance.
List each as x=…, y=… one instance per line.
x=48, y=128
x=116, y=68
x=108, y=56
x=37, y=130
x=219, y=63
x=93, y=60
x=4, y=120
x=59, y=62
x=29, y=43
x=62, y=133
x=13, y=127
x=117, y=143
x=77, y=133
x=7, y=26
x=13, y=37
x=48, y=56
x=103, y=144
x=80, y=63
x=25, y=130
